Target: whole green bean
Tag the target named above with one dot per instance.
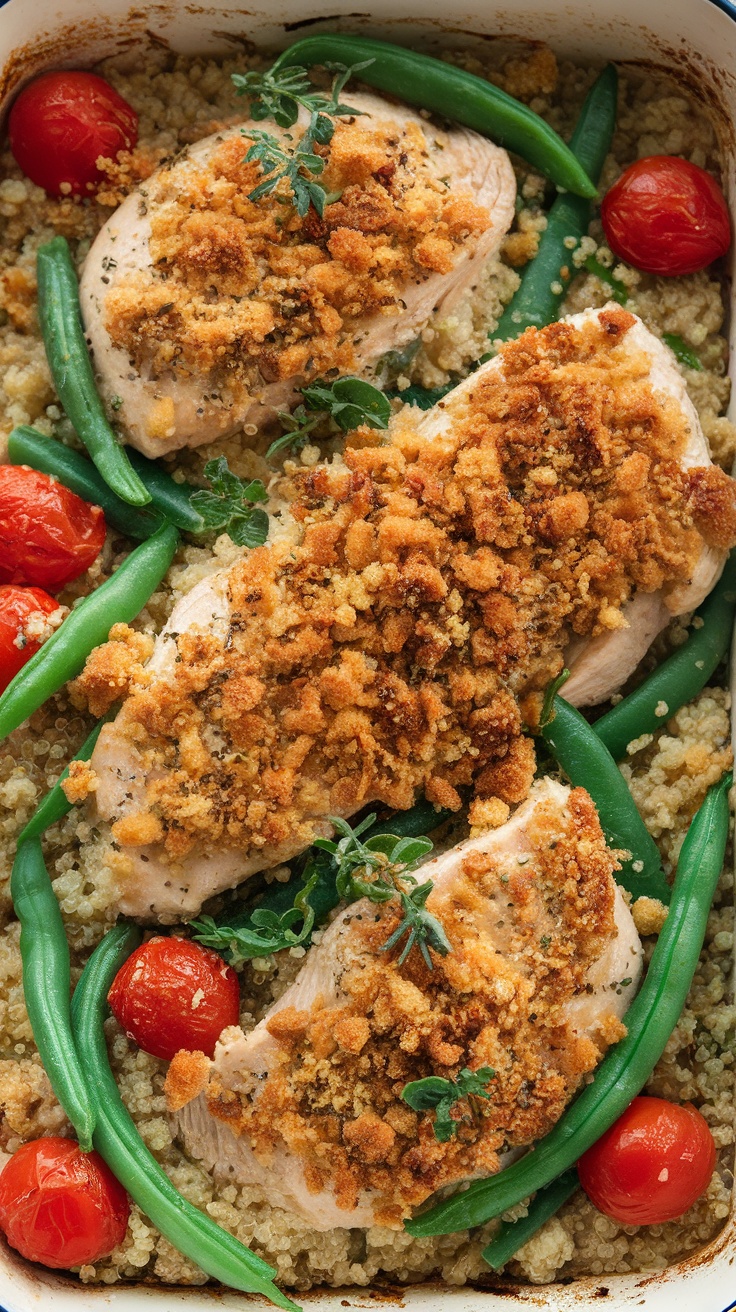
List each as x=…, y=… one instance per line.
x=512, y=1235
x=588, y=763
x=118, y=600
x=71, y=369
x=117, y=1140
x=545, y=280
x=421, y=80
x=47, y=984
x=679, y=678
x=26, y=446
x=626, y=1067
x=55, y=805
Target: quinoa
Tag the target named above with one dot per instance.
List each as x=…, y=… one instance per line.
x=180, y=100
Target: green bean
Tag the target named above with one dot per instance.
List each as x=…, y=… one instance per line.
x=55, y=805
x=443, y=89
x=71, y=369
x=626, y=1067
x=588, y=763
x=171, y=498
x=418, y=820
x=28, y=447
x=545, y=280
x=47, y=984
x=118, y=600
x=679, y=678
x=117, y=1140
x=512, y=1235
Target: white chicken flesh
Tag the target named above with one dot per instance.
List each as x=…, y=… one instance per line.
x=544, y=962
x=204, y=310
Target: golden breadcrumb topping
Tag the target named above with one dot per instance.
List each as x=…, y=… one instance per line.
x=436, y=585
x=524, y=933
x=249, y=292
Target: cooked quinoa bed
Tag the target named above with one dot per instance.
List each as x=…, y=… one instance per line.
x=180, y=100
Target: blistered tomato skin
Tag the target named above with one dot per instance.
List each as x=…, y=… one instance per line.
x=61, y=123
x=666, y=216
x=48, y=535
x=652, y=1165
x=60, y=1206
x=173, y=994
x=22, y=615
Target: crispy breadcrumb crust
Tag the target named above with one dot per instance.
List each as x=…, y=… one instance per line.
x=436, y=584
x=524, y=934
x=250, y=292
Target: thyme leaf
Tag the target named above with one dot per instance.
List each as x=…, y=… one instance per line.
x=229, y=505
x=347, y=403
x=442, y=1096
x=267, y=931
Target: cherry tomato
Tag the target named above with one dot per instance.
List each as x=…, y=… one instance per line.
x=667, y=216
x=61, y=123
x=652, y=1165
x=48, y=536
x=172, y=994
x=60, y=1206
x=22, y=620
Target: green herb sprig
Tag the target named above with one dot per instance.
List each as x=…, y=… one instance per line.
x=442, y=1096
x=279, y=94
x=271, y=932
x=347, y=403
x=229, y=505
x=379, y=869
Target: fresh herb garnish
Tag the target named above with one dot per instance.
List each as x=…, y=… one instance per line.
x=684, y=353
x=440, y=1096
x=347, y=403
x=384, y=863
x=618, y=291
x=279, y=93
x=550, y=692
x=270, y=932
x=229, y=505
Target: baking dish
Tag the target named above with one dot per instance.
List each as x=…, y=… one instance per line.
x=696, y=39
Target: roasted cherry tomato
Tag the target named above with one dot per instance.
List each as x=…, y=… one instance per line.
x=172, y=994
x=61, y=123
x=23, y=613
x=667, y=216
x=60, y=1206
x=48, y=536
x=652, y=1165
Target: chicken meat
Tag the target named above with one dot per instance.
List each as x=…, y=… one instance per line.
x=544, y=962
x=204, y=310
x=394, y=638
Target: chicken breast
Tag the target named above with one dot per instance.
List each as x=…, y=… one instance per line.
x=433, y=583
x=599, y=665
x=204, y=310
x=544, y=962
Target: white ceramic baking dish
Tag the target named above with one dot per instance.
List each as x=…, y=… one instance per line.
x=696, y=39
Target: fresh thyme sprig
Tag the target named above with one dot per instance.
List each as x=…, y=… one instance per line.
x=267, y=932
x=347, y=403
x=229, y=504
x=379, y=869
x=442, y=1096
x=278, y=94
